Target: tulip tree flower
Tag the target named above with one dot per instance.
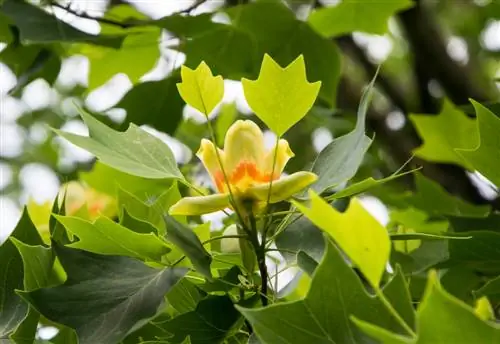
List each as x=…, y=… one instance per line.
x=245, y=171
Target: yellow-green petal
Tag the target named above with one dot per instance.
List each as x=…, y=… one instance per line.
x=283, y=188
x=200, y=205
x=244, y=143
x=283, y=154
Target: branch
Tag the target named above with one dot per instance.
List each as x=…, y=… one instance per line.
x=426, y=38
x=392, y=90
x=87, y=16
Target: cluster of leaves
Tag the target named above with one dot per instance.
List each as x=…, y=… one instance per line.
x=105, y=263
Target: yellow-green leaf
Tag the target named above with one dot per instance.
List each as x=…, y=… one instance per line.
x=364, y=240
x=200, y=89
x=485, y=157
x=444, y=132
x=281, y=97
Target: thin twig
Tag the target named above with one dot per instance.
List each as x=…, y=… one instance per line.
x=98, y=19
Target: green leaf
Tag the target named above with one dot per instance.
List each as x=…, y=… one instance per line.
x=5, y=29
x=301, y=235
x=109, y=238
x=364, y=185
x=100, y=307
x=480, y=252
x=108, y=180
x=153, y=210
x=37, y=264
x=274, y=29
x=339, y=161
x=200, y=89
x=107, y=62
x=37, y=26
x=441, y=318
x=184, y=296
x=434, y=199
x=399, y=296
x=486, y=156
x=417, y=220
x=490, y=289
x=134, y=151
x=155, y=103
x=26, y=331
x=313, y=320
x=364, y=240
x=281, y=97
x=184, y=238
x=353, y=15
x=441, y=133
x=13, y=309
x=209, y=323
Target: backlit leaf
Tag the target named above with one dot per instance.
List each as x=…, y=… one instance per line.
x=364, y=240
x=200, y=89
x=281, y=97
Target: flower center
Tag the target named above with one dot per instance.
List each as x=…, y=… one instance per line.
x=245, y=175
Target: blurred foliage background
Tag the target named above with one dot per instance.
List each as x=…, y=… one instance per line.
x=120, y=61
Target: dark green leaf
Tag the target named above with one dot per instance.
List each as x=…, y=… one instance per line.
x=301, y=235
x=480, y=253
x=209, y=323
x=184, y=238
x=13, y=309
x=313, y=320
x=37, y=264
x=100, y=307
x=155, y=103
x=434, y=199
x=38, y=26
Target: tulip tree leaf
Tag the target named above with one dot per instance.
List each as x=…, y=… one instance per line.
x=134, y=151
x=108, y=180
x=485, y=157
x=99, y=306
x=313, y=320
x=152, y=209
x=200, y=89
x=364, y=240
x=490, y=289
x=186, y=239
x=30, y=18
x=106, y=62
x=339, y=160
x=107, y=237
x=291, y=37
x=281, y=97
x=13, y=309
x=434, y=199
x=209, y=323
x=354, y=15
x=37, y=264
x=442, y=133
x=441, y=318
x=155, y=103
